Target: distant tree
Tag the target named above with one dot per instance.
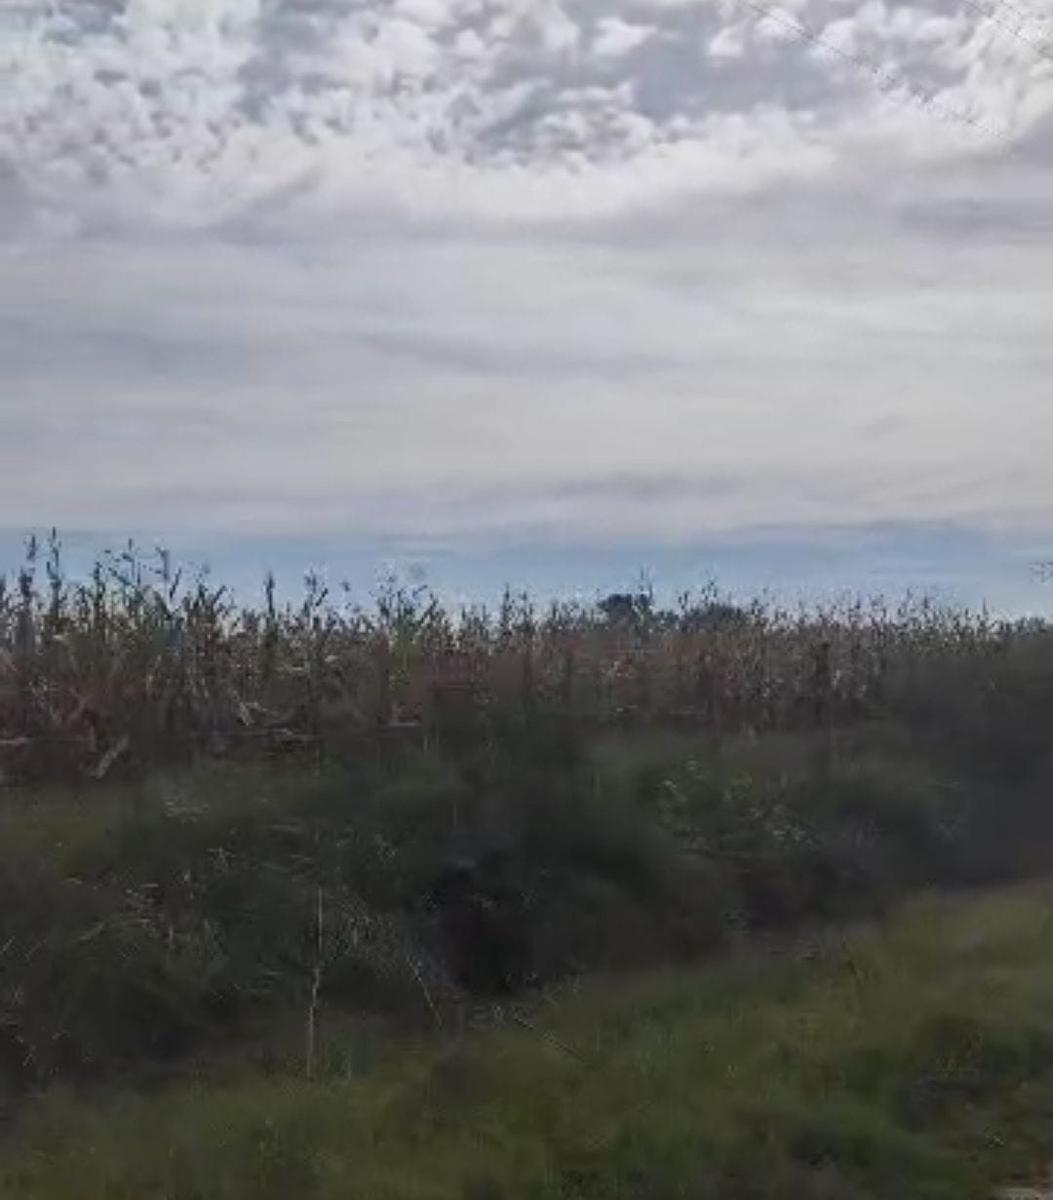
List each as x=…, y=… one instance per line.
x=712, y=614
x=629, y=608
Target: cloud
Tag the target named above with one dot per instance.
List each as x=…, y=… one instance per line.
x=614, y=37
x=523, y=269
x=185, y=113
x=801, y=371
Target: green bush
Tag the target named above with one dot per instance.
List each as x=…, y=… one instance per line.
x=185, y=908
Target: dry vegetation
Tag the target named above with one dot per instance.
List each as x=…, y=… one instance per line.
x=141, y=665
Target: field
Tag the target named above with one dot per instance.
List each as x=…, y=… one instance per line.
x=917, y=1062
x=596, y=901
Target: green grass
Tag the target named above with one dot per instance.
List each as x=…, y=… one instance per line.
x=142, y=923
x=911, y=1061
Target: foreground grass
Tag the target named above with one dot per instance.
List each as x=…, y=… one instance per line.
x=916, y=1061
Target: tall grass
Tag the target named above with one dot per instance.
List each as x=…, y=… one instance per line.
x=915, y=1063
x=140, y=664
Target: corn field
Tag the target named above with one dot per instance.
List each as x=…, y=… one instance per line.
x=140, y=663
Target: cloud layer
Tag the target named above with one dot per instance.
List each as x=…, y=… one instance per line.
x=556, y=270
x=191, y=112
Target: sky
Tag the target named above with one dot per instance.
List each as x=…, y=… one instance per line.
x=536, y=291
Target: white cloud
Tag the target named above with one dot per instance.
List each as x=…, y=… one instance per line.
x=437, y=266
x=188, y=113
x=615, y=37
x=727, y=42
x=751, y=369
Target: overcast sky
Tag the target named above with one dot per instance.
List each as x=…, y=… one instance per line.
x=631, y=282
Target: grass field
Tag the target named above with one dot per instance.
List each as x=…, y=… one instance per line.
x=914, y=1060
